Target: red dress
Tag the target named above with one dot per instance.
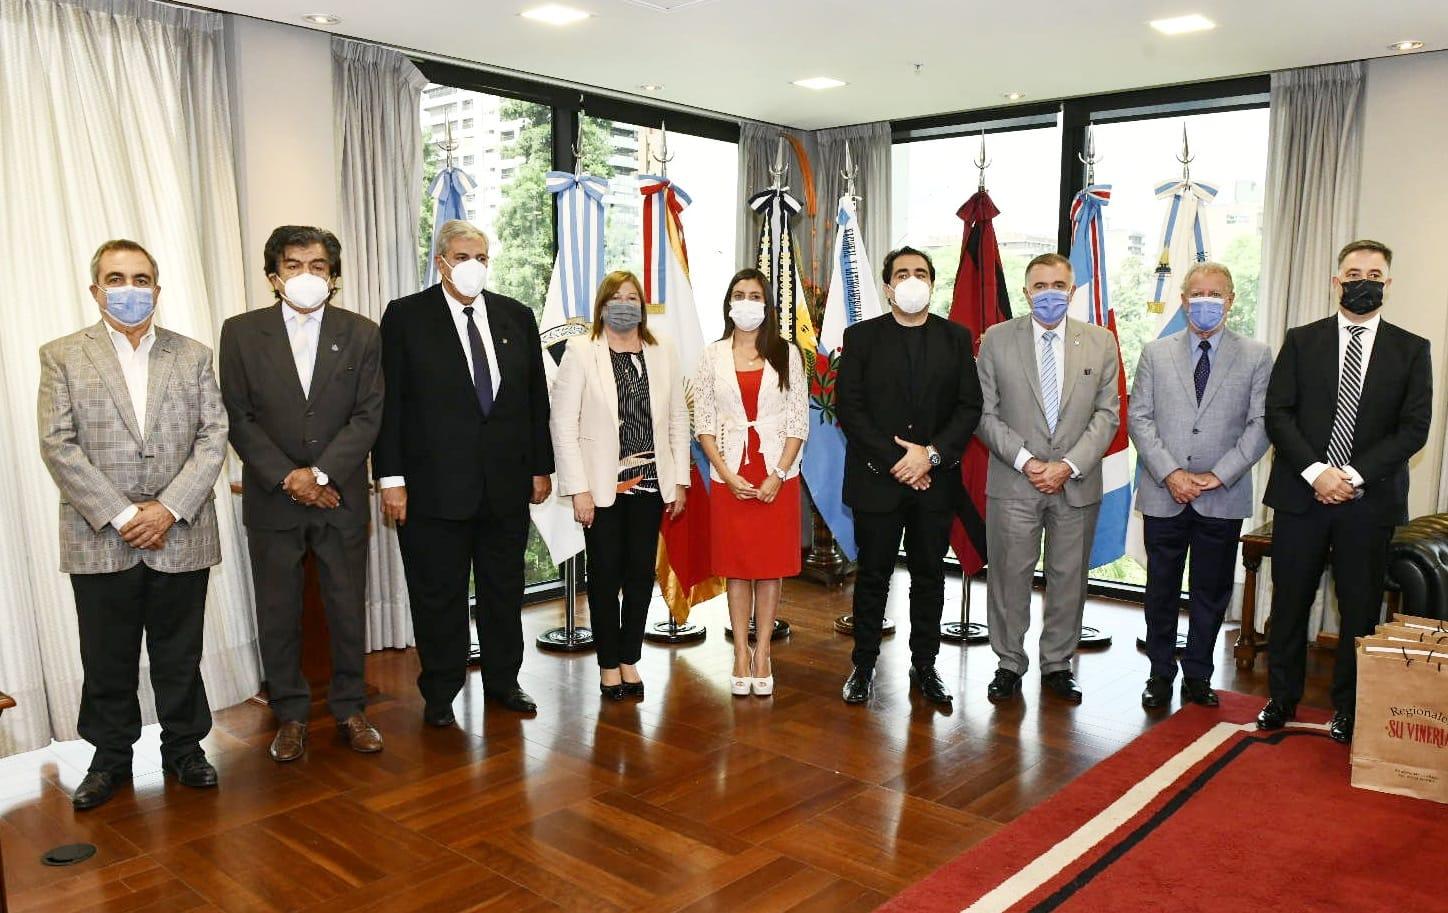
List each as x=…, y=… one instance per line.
x=751, y=540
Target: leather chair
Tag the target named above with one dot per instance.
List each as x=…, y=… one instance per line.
x=1418, y=566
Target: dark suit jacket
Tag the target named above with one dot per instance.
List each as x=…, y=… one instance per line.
x=1394, y=411
x=433, y=431
x=275, y=429
x=873, y=394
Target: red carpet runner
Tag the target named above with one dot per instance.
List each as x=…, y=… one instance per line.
x=1203, y=814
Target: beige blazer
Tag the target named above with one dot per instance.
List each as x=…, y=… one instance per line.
x=719, y=408
x=584, y=420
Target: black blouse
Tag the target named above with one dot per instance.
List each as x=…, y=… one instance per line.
x=635, y=422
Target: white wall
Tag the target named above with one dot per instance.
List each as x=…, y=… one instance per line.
x=1404, y=204
x=280, y=79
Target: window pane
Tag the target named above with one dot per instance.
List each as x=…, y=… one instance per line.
x=933, y=178
x=507, y=149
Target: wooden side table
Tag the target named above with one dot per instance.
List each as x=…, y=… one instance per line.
x=1256, y=545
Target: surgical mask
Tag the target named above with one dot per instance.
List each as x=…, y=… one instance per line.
x=469, y=277
x=747, y=315
x=912, y=295
x=1206, y=312
x=622, y=316
x=1362, y=296
x=130, y=306
x=305, y=291
x=1050, y=306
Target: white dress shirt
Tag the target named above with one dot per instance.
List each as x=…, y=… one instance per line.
x=1343, y=338
x=460, y=323
x=303, y=332
x=136, y=369
x=1058, y=348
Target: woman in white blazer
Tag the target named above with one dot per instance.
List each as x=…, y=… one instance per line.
x=751, y=412
x=621, y=445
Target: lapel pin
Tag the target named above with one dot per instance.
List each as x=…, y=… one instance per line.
x=334, y=348
x=505, y=340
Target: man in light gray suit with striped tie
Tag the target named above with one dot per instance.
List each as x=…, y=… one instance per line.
x=133, y=431
x=1196, y=415
x=1051, y=410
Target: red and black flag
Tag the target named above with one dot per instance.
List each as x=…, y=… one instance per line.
x=981, y=301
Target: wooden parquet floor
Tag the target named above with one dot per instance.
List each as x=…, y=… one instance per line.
x=691, y=800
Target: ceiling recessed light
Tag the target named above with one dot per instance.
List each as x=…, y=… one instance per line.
x=322, y=18
x=1182, y=25
x=1405, y=45
x=820, y=82
x=1013, y=96
x=651, y=87
x=555, y=14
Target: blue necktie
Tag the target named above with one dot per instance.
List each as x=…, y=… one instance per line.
x=1049, y=394
x=482, y=377
x=1204, y=369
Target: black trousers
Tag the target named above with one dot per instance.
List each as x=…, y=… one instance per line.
x=926, y=528
x=113, y=611
x=1212, y=543
x=437, y=557
x=277, y=576
x=622, y=545
x=1350, y=536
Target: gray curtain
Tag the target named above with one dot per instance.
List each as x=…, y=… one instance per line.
x=377, y=93
x=1314, y=166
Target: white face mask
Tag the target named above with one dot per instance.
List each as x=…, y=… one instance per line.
x=912, y=295
x=469, y=277
x=747, y=315
x=306, y=291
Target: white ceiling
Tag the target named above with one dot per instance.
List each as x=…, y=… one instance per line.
x=738, y=57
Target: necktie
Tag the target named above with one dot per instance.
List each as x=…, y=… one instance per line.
x=482, y=377
x=1050, y=395
x=1204, y=369
x=1349, y=389
x=303, y=352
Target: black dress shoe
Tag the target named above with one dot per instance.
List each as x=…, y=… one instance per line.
x=1062, y=684
x=633, y=689
x=1199, y=691
x=96, y=789
x=438, y=716
x=515, y=699
x=1276, y=714
x=1003, y=687
x=613, y=692
x=859, y=685
x=1158, y=693
x=193, y=770
x=931, y=686
x=1341, y=727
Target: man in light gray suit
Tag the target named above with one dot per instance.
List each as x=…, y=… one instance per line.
x=1196, y=415
x=1051, y=410
x=133, y=431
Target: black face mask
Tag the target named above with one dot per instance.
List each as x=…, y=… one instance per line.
x=1362, y=296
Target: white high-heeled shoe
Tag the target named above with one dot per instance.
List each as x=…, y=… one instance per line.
x=739, y=685
x=763, y=687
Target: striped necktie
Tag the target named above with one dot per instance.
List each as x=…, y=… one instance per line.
x=1050, y=395
x=1349, y=390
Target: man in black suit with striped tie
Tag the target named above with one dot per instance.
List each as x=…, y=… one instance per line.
x=1349, y=403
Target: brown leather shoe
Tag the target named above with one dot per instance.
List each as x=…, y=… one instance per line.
x=360, y=734
x=290, y=742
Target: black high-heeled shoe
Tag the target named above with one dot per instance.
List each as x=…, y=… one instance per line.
x=613, y=692
x=633, y=689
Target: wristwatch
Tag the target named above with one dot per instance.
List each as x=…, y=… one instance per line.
x=320, y=476
x=934, y=454
x=781, y=473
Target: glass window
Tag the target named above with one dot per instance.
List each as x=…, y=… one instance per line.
x=932, y=178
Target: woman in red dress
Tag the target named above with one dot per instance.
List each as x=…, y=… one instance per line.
x=751, y=414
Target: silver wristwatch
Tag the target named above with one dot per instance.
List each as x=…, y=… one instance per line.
x=781, y=473
x=320, y=476
x=934, y=454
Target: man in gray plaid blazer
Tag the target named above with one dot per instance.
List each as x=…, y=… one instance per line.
x=133, y=431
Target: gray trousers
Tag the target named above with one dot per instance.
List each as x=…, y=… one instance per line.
x=277, y=575
x=1013, y=546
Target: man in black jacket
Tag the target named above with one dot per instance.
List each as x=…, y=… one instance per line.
x=464, y=449
x=908, y=402
x=302, y=383
x=1350, y=401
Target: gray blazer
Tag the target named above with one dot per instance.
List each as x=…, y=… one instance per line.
x=1014, y=415
x=103, y=461
x=1225, y=435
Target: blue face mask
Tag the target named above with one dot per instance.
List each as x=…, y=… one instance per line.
x=1206, y=313
x=130, y=306
x=1050, y=306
